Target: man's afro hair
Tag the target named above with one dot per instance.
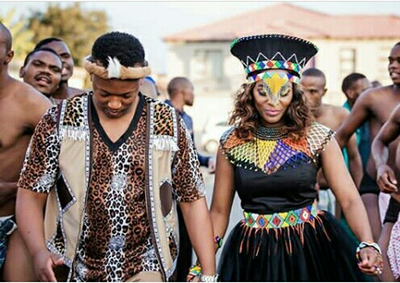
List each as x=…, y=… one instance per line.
x=123, y=46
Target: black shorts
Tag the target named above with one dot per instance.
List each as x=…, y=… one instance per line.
x=368, y=186
x=392, y=211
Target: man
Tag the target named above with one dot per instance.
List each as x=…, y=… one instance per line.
x=21, y=108
x=180, y=92
x=387, y=182
x=61, y=48
x=314, y=85
x=120, y=161
x=42, y=70
x=352, y=86
x=374, y=106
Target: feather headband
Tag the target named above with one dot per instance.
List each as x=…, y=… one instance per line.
x=115, y=70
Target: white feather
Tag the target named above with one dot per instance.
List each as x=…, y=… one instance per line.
x=114, y=68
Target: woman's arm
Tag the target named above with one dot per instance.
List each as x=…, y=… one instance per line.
x=346, y=193
x=223, y=195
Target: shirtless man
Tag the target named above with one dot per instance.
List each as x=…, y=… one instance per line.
x=314, y=86
x=387, y=183
x=61, y=48
x=42, y=70
x=374, y=106
x=21, y=108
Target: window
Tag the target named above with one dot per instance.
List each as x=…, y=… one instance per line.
x=207, y=64
x=347, y=61
x=382, y=63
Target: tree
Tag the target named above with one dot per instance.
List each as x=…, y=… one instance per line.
x=78, y=28
x=21, y=36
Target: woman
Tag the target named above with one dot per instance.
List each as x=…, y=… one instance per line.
x=271, y=157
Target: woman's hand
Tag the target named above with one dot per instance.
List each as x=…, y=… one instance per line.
x=371, y=261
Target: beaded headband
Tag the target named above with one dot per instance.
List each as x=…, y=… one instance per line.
x=115, y=70
x=260, y=53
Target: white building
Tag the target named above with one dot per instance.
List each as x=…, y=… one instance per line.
x=347, y=43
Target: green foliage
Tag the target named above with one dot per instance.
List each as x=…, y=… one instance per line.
x=21, y=37
x=78, y=28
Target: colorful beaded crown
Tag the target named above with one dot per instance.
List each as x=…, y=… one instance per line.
x=260, y=53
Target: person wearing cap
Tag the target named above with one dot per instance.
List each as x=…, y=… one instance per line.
x=109, y=167
x=271, y=157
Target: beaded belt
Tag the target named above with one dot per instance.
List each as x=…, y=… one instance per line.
x=280, y=219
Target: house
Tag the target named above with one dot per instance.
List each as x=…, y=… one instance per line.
x=347, y=43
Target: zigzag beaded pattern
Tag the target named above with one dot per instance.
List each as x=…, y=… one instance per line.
x=271, y=155
x=280, y=219
x=278, y=56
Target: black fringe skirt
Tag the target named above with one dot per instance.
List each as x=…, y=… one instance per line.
x=318, y=250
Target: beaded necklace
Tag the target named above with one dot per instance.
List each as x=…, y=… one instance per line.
x=270, y=133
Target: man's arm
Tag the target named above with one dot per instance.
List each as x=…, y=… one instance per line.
x=199, y=226
x=355, y=163
x=37, y=178
x=358, y=116
x=189, y=188
x=29, y=213
x=379, y=150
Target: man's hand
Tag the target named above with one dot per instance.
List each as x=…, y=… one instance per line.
x=44, y=262
x=386, y=179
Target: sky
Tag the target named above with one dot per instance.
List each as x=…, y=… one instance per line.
x=152, y=20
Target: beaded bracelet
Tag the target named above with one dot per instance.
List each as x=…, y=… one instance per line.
x=194, y=271
x=219, y=241
x=363, y=245
x=209, y=278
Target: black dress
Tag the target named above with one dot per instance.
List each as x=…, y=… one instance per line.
x=282, y=236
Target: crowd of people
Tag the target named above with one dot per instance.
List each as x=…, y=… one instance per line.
x=105, y=184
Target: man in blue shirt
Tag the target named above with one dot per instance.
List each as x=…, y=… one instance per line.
x=180, y=92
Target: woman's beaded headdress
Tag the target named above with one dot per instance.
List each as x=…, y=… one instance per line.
x=260, y=53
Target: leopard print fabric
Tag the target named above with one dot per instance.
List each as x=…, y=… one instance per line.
x=74, y=110
x=115, y=239
x=162, y=119
x=40, y=167
x=187, y=179
x=115, y=243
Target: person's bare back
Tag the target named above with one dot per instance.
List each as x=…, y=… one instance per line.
x=21, y=108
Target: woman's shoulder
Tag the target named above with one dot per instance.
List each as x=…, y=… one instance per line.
x=318, y=136
x=230, y=139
